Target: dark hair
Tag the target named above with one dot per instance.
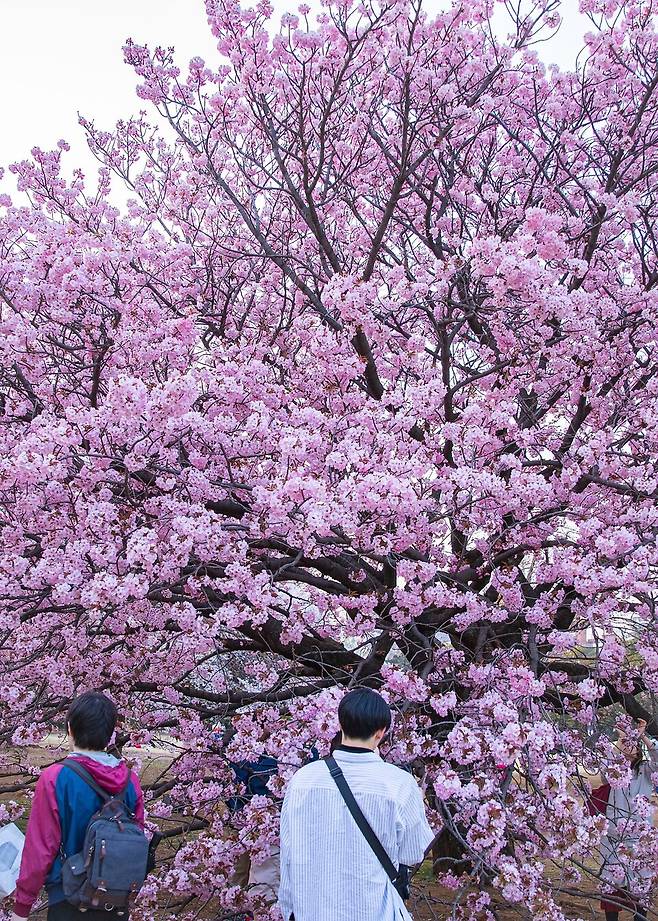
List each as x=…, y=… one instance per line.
x=362, y=712
x=638, y=758
x=92, y=718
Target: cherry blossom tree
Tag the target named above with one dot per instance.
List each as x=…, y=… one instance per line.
x=358, y=388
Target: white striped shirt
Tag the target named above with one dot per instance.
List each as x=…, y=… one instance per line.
x=328, y=870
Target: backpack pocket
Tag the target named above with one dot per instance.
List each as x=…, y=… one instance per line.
x=74, y=875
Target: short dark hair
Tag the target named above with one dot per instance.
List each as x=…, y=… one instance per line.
x=92, y=718
x=362, y=712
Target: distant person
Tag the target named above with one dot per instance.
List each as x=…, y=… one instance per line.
x=260, y=879
x=64, y=803
x=620, y=807
x=329, y=871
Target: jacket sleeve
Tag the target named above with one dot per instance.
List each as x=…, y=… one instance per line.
x=414, y=832
x=42, y=842
x=139, y=807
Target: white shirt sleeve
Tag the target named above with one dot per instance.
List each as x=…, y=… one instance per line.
x=414, y=832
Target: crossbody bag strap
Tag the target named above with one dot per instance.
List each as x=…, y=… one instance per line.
x=364, y=826
x=78, y=769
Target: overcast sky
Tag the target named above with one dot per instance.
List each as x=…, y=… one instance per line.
x=63, y=56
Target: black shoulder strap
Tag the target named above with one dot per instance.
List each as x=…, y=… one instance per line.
x=364, y=826
x=78, y=769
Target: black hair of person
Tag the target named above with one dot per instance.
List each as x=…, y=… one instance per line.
x=638, y=759
x=362, y=712
x=92, y=718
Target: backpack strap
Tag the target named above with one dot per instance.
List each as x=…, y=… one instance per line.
x=364, y=826
x=78, y=769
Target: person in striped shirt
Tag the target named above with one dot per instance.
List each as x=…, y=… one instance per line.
x=329, y=872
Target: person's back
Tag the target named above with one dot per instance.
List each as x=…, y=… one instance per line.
x=64, y=803
x=328, y=870
x=254, y=776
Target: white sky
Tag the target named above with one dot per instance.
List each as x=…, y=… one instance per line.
x=61, y=57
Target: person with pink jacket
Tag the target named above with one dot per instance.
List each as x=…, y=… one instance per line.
x=63, y=805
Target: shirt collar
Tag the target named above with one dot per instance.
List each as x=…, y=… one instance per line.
x=356, y=756
x=354, y=749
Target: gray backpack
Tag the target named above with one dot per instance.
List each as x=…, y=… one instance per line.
x=110, y=869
